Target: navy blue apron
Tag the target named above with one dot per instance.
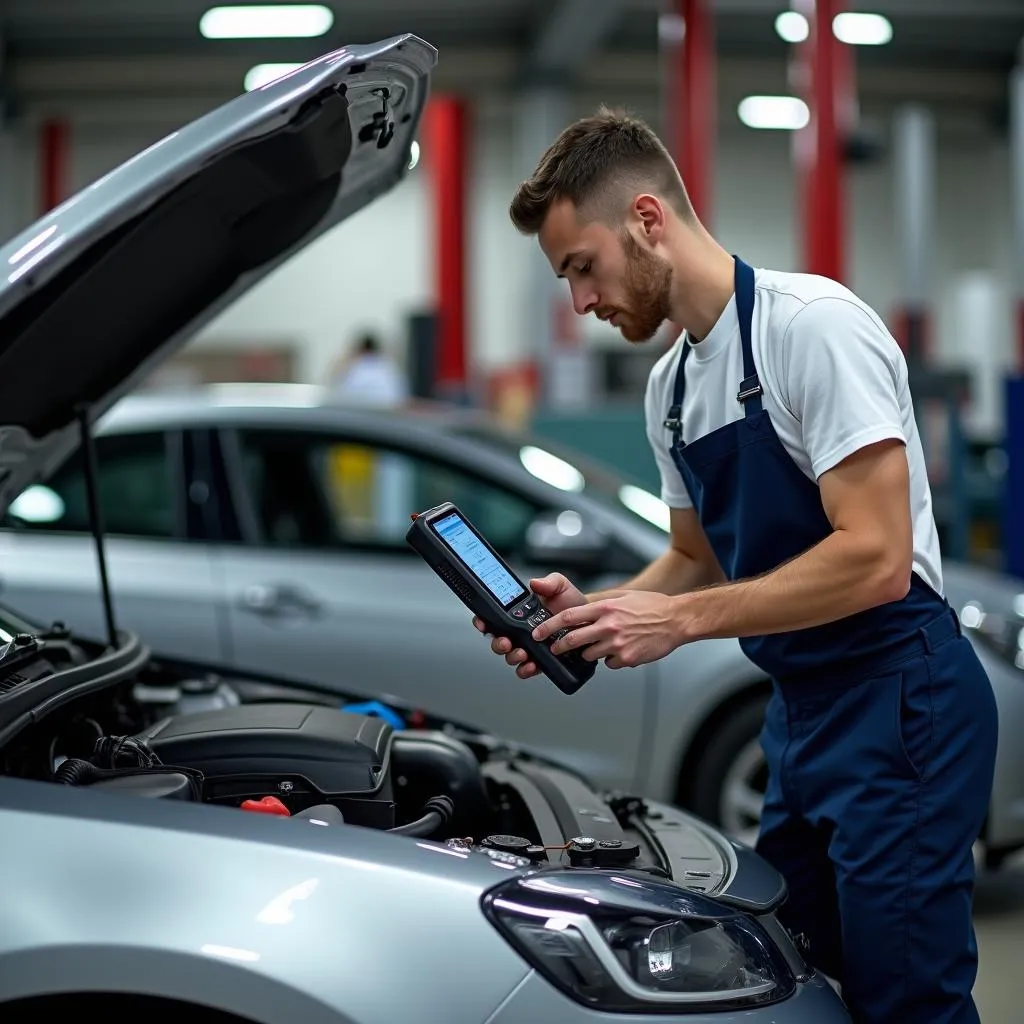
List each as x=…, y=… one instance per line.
x=880, y=735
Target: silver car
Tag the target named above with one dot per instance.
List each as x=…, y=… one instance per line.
x=233, y=847
x=263, y=528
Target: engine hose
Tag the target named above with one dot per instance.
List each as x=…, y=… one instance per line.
x=445, y=765
x=437, y=812
x=77, y=772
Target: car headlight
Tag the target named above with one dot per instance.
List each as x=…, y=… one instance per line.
x=621, y=944
x=1000, y=631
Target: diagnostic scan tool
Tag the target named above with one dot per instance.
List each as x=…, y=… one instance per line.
x=488, y=587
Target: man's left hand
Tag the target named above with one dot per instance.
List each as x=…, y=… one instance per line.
x=626, y=631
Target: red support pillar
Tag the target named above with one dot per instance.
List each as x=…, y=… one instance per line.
x=445, y=157
x=54, y=157
x=691, y=103
x=825, y=74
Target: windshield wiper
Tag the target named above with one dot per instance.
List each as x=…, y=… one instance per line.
x=18, y=648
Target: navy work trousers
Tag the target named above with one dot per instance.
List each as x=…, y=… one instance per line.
x=879, y=786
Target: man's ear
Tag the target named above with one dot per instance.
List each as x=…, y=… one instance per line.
x=649, y=215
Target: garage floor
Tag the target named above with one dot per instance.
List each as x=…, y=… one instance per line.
x=999, y=919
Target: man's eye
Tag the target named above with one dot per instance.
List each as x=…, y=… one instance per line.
x=585, y=269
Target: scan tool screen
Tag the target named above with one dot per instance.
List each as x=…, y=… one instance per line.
x=477, y=557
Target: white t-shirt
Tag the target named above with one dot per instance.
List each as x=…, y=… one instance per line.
x=371, y=380
x=834, y=380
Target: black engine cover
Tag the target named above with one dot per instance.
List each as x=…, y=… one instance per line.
x=303, y=754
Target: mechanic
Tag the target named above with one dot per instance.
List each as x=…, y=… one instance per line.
x=801, y=523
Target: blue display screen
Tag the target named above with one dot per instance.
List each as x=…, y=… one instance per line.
x=477, y=557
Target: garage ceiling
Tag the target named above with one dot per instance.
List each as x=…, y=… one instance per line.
x=53, y=49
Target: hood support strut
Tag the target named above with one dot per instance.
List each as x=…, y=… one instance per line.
x=96, y=519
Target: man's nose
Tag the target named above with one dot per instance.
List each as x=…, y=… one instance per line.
x=583, y=301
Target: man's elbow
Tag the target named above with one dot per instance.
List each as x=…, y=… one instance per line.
x=891, y=580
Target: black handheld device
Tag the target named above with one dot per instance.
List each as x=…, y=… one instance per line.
x=447, y=541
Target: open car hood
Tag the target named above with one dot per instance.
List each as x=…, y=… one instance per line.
x=106, y=286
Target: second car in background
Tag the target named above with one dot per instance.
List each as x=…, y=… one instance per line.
x=263, y=529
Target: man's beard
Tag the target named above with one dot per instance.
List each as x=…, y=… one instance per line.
x=648, y=287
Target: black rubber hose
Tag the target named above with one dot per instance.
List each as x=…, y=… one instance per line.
x=76, y=772
x=437, y=813
x=445, y=762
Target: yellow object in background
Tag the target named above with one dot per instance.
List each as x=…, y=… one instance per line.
x=350, y=470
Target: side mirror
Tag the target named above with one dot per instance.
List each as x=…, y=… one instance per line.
x=566, y=539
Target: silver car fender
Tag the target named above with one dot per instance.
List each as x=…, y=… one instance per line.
x=267, y=918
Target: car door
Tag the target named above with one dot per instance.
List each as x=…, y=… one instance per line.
x=329, y=590
x=162, y=584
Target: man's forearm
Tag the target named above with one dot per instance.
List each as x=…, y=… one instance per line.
x=672, y=573
x=838, y=577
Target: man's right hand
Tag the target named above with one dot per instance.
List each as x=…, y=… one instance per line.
x=557, y=594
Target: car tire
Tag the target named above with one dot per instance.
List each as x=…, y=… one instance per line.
x=727, y=780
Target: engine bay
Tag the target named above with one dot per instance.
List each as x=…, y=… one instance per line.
x=126, y=723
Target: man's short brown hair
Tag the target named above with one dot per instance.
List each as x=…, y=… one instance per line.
x=599, y=163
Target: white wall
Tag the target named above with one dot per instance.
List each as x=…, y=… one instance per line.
x=375, y=269
x=369, y=272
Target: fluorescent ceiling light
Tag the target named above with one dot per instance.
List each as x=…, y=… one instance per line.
x=851, y=27
x=792, y=27
x=264, y=74
x=267, y=21
x=671, y=28
x=858, y=29
x=779, y=113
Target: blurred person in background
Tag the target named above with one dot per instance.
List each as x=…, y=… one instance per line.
x=369, y=488
x=801, y=524
x=368, y=375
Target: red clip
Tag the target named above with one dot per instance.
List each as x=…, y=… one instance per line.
x=268, y=805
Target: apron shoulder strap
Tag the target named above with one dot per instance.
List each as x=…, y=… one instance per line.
x=749, y=394
x=674, y=420
x=750, y=390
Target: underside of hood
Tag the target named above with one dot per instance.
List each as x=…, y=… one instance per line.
x=105, y=287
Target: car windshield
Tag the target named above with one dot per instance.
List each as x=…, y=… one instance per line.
x=11, y=625
x=569, y=470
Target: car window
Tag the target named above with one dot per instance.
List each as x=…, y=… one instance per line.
x=135, y=489
x=314, y=490
x=562, y=466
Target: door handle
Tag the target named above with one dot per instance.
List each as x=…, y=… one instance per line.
x=277, y=600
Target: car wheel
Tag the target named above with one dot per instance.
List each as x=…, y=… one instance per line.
x=729, y=778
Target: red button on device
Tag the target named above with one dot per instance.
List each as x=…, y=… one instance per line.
x=268, y=805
